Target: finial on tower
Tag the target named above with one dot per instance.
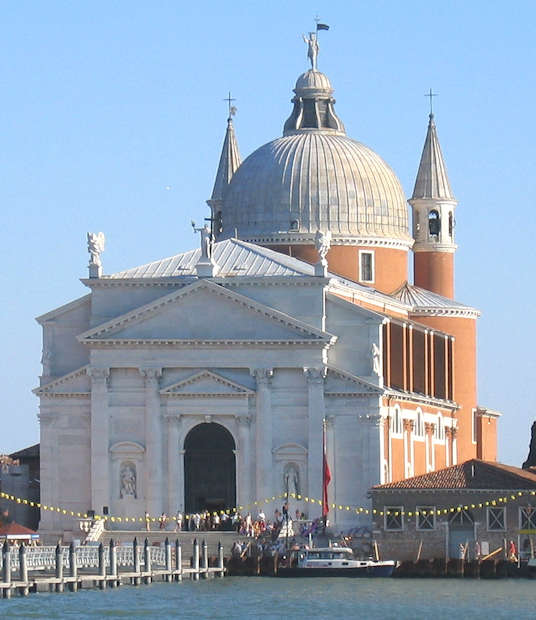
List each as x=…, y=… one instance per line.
x=431, y=95
x=232, y=108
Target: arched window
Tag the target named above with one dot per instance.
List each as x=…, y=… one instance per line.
x=434, y=223
x=419, y=425
x=439, y=427
x=451, y=224
x=396, y=421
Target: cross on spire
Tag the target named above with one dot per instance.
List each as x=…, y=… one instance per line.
x=232, y=108
x=431, y=95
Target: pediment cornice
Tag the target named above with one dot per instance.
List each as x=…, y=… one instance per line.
x=50, y=388
x=153, y=308
x=224, y=388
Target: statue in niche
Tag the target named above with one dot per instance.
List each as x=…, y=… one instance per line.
x=291, y=479
x=127, y=477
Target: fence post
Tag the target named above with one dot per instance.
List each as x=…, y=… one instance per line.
x=220, y=558
x=137, y=564
x=204, y=559
x=6, y=568
x=59, y=568
x=102, y=567
x=168, y=560
x=147, y=559
x=113, y=563
x=178, y=559
x=195, y=560
x=73, y=567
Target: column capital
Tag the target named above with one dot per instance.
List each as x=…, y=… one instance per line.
x=315, y=375
x=454, y=432
x=330, y=421
x=243, y=420
x=371, y=419
x=409, y=425
x=263, y=376
x=429, y=428
x=151, y=375
x=99, y=374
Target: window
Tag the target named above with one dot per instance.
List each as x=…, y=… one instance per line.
x=366, y=266
x=451, y=224
x=393, y=517
x=434, y=223
x=439, y=427
x=426, y=518
x=527, y=518
x=419, y=426
x=396, y=422
x=496, y=519
x=474, y=425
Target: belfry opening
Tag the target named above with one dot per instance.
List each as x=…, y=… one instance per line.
x=209, y=469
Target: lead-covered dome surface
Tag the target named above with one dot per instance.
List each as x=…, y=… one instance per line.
x=315, y=178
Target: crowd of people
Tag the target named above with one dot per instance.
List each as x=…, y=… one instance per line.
x=243, y=524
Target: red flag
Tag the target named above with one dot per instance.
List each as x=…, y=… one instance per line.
x=326, y=475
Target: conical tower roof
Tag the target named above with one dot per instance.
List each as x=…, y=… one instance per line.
x=432, y=180
x=229, y=161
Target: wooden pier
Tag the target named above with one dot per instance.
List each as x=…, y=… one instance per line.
x=41, y=569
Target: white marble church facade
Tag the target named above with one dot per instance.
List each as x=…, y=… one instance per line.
x=148, y=356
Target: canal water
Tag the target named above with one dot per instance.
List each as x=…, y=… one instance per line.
x=234, y=598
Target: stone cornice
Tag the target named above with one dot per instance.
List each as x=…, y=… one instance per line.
x=237, y=390
x=151, y=309
x=184, y=344
x=422, y=399
x=383, y=303
x=49, y=387
x=370, y=388
x=297, y=238
x=72, y=305
x=82, y=395
x=466, y=313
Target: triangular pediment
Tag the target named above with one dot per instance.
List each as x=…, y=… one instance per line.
x=341, y=382
x=205, y=383
x=205, y=311
x=73, y=384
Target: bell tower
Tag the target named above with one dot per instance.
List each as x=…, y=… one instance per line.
x=433, y=206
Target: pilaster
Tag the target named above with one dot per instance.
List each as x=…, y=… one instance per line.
x=174, y=487
x=316, y=413
x=244, y=446
x=263, y=432
x=100, y=439
x=153, y=441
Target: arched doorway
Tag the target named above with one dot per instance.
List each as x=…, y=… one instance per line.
x=209, y=469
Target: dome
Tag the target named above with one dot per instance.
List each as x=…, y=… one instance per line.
x=315, y=180
x=312, y=80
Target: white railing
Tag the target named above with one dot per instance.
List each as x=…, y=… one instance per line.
x=44, y=558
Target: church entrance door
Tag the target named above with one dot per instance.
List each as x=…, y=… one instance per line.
x=209, y=469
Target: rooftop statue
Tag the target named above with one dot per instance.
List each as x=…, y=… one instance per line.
x=312, y=49
x=95, y=247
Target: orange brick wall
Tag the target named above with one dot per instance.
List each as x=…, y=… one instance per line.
x=434, y=271
x=390, y=265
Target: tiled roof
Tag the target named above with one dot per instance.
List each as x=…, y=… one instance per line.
x=472, y=474
x=14, y=529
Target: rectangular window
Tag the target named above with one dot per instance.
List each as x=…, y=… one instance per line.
x=366, y=266
x=474, y=420
x=426, y=518
x=393, y=518
x=527, y=518
x=496, y=519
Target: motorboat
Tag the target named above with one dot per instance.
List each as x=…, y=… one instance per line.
x=332, y=562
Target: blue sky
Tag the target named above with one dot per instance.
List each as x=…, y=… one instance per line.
x=107, y=104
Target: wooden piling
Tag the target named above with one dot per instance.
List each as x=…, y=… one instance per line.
x=147, y=561
x=220, y=559
x=73, y=567
x=113, y=564
x=6, y=569
x=178, y=559
x=204, y=559
x=167, y=546
x=59, y=568
x=195, y=560
x=137, y=564
x=102, y=567
x=23, y=570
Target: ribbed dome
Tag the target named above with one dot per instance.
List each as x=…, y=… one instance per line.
x=312, y=80
x=310, y=180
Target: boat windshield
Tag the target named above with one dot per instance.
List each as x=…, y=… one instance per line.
x=329, y=555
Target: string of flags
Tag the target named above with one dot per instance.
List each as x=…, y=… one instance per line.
x=498, y=501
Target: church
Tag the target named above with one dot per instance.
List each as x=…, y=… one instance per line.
x=213, y=378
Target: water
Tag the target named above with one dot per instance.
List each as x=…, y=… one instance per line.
x=263, y=597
